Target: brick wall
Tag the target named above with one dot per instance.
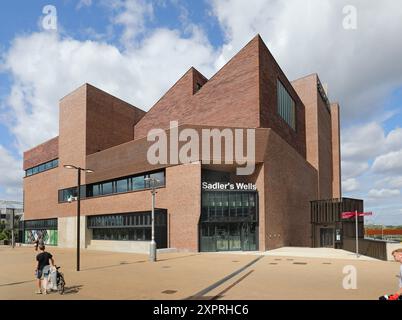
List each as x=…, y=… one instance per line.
x=42, y=153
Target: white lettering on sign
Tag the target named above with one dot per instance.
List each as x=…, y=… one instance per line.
x=229, y=186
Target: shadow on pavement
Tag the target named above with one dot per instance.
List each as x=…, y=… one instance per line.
x=123, y=263
x=16, y=283
x=72, y=290
x=190, y=255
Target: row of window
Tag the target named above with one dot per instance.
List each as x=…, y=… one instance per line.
x=42, y=167
x=127, y=220
x=122, y=234
x=286, y=106
x=228, y=199
x=229, y=206
x=49, y=224
x=132, y=183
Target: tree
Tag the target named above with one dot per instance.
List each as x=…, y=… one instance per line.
x=4, y=233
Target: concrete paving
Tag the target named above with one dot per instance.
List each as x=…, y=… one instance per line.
x=317, y=253
x=108, y=275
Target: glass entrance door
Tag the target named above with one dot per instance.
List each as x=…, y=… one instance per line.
x=248, y=237
x=222, y=235
x=229, y=221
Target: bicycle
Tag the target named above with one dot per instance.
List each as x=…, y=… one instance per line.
x=60, y=282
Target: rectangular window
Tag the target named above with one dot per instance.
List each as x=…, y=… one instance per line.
x=42, y=167
x=133, y=183
x=122, y=185
x=138, y=183
x=286, y=106
x=95, y=190
x=160, y=176
x=107, y=188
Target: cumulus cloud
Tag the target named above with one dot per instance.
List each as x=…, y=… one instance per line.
x=308, y=36
x=355, y=140
x=388, y=163
x=350, y=185
x=384, y=193
x=83, y=3
x=131, y=15
x=45, y=67
x=10, y=174
x=390, y=182
x=353, y=169
x=362, y=144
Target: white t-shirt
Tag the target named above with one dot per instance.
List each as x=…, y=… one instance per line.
x=400, y=277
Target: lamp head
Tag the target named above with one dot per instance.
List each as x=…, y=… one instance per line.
x=69, y=166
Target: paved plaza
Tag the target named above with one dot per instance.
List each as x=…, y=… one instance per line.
x=220, y=276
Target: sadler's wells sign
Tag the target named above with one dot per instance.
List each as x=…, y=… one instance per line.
x=229, y=186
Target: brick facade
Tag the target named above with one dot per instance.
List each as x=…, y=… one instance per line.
x=103, y=133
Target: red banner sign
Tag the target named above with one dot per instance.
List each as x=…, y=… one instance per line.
x=348, y=215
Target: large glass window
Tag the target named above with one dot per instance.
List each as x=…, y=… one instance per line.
x=286, y=106
x=133, y=183
x=229, y=221
x=129, y=227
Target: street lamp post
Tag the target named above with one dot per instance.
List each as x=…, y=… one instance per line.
x=152, y=246
x=78, y=207
x=12, y=214
x=357, y=234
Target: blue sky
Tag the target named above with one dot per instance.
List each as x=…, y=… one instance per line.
x=122, y=45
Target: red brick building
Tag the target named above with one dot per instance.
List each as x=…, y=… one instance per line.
x=297, y=160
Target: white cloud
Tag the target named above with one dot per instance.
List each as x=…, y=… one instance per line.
x=45, y=67
x=350, y=185
x=390, y=182
x=361, y=144
x=84, y=3
x=394, y=140
x=353, y=169
x=384, y=193
x=355, y=140
x=10, y=175
x=359, y=65
x=388, y=163
x=132, y=16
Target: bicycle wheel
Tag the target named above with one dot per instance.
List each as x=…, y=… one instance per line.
x=60, y=285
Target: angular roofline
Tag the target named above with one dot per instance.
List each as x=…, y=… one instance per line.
x=171, y=87
x=43, y=143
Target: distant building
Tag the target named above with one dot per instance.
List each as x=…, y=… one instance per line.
x=7, y=208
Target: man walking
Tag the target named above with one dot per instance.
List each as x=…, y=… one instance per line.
x=45, y=261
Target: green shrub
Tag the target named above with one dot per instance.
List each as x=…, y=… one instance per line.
x=5, y=235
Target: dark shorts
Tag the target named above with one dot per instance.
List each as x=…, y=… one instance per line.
x=40, y=274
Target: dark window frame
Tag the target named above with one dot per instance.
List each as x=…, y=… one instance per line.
x=43, y=167
x=89, y=189
x=278, y=108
